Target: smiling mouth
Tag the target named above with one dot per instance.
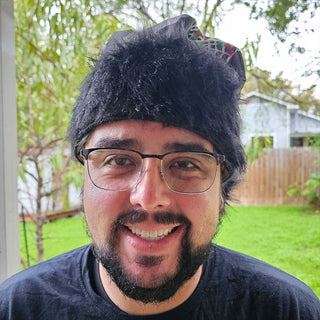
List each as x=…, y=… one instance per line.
x=153, y=235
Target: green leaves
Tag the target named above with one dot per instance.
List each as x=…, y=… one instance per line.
x=278, y=87
x=250, y=53
x=311, y=188
x=254, y=148
x=53, y=41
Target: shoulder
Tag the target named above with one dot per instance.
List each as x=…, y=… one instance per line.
x=242, y=266
x=57, y=277
x=253, y=286
x=55, y=267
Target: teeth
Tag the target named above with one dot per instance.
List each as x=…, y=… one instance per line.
x=151, y=236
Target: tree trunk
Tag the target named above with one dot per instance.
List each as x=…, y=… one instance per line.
x=39, y=225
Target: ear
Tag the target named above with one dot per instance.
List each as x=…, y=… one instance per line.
x=226, y=171
x=80, y=158
x=221, y=203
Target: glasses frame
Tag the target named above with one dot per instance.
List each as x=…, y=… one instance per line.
x=219, y=158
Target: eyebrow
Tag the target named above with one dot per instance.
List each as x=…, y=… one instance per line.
x=178, y=146
x=136, y=145
x=117, y=143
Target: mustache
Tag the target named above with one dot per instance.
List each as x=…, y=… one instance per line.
x=161, y=217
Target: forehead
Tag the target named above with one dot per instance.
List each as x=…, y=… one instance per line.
x=146, y=135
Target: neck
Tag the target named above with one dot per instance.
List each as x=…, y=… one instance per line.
x=134, y=307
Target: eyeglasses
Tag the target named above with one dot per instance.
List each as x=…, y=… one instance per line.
x=121, y=169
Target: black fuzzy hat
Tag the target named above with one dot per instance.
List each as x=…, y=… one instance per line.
x=172, y=74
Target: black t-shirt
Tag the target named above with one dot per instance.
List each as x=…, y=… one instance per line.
x=233, y=286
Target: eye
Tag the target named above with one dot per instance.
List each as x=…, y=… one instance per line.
x=117, y=160
x=184, y=164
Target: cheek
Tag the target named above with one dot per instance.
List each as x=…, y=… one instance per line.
x=203, y=212
x=101, y=209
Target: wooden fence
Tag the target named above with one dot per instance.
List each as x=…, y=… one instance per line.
x=56, y=214
x=270, y=176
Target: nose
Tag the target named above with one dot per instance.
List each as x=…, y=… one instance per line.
x=151, y=192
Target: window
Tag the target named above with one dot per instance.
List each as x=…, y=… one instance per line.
x=297, y=142
x=302, y=141
x=265, y=141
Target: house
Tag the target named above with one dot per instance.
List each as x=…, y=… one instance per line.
x=282, y=122
x=281, y=167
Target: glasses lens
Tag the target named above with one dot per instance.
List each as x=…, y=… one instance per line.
x=189, y=172
x=113, y=169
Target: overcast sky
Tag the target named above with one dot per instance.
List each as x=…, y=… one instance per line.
x=237, y=27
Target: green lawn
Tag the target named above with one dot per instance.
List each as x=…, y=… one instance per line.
x=59, y=236
x=283, y=236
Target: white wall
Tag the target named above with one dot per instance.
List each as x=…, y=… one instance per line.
x=9, y=220
x=301, y=123
x=261, y=118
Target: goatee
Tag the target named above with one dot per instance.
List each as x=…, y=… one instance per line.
x=188, y=262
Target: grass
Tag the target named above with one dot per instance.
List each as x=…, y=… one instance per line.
x=59, y=236
x=285, y=237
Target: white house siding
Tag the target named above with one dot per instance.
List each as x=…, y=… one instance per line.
x=262, y=118
x=304, y=124
x=268, y=117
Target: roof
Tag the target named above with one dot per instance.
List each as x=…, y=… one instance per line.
x=287, y=105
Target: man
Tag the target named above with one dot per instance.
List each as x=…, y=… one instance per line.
x=156, y=127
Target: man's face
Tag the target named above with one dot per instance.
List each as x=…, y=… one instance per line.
x=121, y=222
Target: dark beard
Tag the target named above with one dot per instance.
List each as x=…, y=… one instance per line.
x=188, y=262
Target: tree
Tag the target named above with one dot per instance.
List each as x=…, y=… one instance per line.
x=53, y=39
x=143, y=13
x=283, y=19
x=283, y=89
